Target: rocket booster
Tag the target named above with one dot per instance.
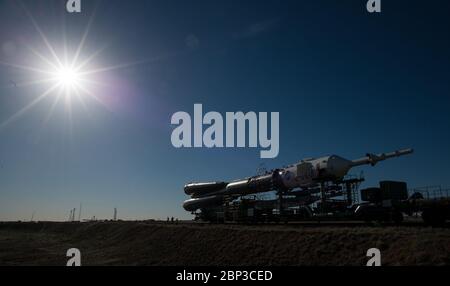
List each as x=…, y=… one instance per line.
x=304, y=174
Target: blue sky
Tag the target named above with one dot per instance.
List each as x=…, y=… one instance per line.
x=344, y=82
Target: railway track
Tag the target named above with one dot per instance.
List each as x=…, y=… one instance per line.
x=316, y=223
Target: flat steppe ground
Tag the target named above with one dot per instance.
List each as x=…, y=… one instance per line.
x=191, y=244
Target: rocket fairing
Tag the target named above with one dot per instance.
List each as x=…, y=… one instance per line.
x=304, y=175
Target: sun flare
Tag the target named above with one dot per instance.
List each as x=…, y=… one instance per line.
x=68, y=73
x=67, y=77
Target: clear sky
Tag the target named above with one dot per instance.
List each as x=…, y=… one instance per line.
x=344, y=81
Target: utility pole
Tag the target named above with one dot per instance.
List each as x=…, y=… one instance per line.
x=115, y=214
x=79, y=214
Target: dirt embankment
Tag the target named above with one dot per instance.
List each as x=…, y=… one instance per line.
x=142, y=243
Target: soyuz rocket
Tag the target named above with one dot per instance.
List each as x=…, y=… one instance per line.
x=307, y=173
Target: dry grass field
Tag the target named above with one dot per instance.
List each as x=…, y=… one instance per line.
x=188, y=244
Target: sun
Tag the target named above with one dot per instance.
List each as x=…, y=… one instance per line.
x=66, y=73
x=68, y=77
